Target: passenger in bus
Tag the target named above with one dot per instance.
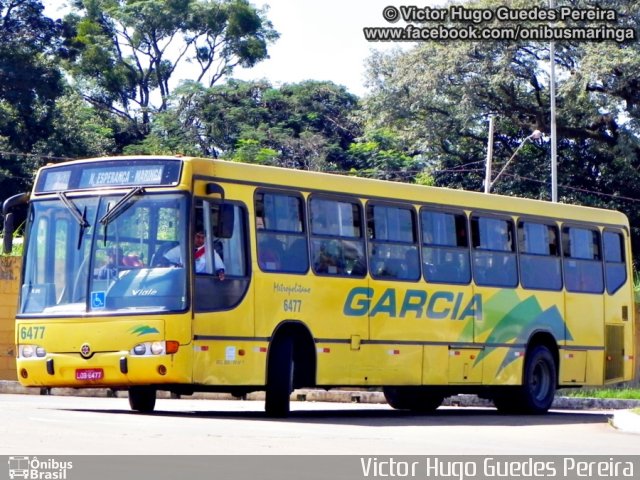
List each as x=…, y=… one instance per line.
x=270, y=252
x=110, y=268
x=117, y=260
x=174, y=256
x=328, y=258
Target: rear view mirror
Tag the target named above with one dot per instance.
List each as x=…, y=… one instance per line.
x=7, y=245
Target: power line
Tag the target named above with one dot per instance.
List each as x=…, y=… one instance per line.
x=457, y=169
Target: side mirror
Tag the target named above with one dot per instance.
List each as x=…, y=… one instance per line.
x=226, y=220
x=7, y=245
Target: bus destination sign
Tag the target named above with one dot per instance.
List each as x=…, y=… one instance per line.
x=114, y=173
x=100, y=177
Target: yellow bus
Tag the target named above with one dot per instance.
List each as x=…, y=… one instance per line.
x=190, y=274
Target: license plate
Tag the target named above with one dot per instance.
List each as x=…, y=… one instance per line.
x=89, y=374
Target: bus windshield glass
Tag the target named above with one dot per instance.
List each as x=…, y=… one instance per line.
x=76, y=264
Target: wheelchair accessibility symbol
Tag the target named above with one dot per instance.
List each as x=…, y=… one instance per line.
x=97, y=299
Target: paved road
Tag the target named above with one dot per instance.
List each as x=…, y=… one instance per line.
x=39, y=425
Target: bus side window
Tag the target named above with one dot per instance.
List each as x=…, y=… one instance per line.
x=494, y=258
x=614, y=260
x=337, y=242
x=445, y=247
x=540, y=266
x=280, y=232
x=394, y=242
x=582, y=260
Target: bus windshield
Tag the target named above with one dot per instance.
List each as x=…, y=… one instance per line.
x=105, y=254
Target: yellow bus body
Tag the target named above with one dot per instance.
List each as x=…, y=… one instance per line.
x=362, y=331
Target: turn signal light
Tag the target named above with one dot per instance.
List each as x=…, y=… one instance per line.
x=172, y=346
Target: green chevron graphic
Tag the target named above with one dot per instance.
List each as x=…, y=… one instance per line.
x=143, y=330
x=510, y=319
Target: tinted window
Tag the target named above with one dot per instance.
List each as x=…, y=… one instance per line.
x=494, y=259
x=445, y=247
x=393, y=251
x=337, y=243
x=282, y=243
x=614, y=258
x=540, y=266
x=582, y=260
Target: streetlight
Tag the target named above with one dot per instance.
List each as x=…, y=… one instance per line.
x=488, y=183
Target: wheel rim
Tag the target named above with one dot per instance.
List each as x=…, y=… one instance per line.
x=540, y=380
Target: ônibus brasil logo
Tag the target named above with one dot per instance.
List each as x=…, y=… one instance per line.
x=38, y=469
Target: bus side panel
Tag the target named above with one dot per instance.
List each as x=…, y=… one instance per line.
x=224, y=349
x=231, y=362
x=505, y=324
x=430, y=315
x=336, y=318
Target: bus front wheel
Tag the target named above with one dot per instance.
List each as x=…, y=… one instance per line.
x=279, y=378
x=142, y=399
x=416, y=399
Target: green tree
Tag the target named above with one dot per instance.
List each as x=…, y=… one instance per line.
x=127, y=52
x=30, y=82
x=307, y=125
x=437, y=97
x=381, y=154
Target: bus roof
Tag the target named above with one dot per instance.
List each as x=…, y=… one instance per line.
x=278, y=177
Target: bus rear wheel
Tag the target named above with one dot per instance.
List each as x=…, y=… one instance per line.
x=416, y=399
x=538, y=388
x=142, y=399
x=279, y=378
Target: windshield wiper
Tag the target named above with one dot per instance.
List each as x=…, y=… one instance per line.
x=81, y=218
x=120, y=206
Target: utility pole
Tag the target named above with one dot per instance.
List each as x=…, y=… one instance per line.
x=554, y=152
x=487, y=173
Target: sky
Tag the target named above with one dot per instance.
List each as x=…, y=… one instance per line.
x=319, y=39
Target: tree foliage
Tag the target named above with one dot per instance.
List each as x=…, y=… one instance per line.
x=438, y=97
x=30, y=82
x=128, y=51
x=307, y=125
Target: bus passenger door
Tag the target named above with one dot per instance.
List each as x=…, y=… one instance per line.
x=223, y=328
x=618, y=307
x=582, y=359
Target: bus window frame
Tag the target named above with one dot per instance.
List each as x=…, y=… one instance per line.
x=549, y=222
x=625, y=260
x=565, y=255
x=492, y=215
x=353, y=200
x=304, y=234
x=202, y=282
x=451, y=211
x=372, y=242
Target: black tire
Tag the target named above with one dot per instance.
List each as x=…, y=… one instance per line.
x=279, y=378
x=416, y=399
x=142, y=399
x=538, y=389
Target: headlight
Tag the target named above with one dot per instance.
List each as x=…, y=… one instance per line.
x=149, y=348
x=26, y=351
x=157, y=348
x=30, y=351
x=140, y=349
